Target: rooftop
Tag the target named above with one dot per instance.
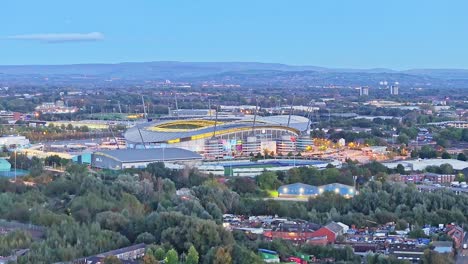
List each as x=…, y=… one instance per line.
x=4, y=162
x=334, y=227
x=168, y=130
x=442, y=243
x=154, y=154
x=421, y=164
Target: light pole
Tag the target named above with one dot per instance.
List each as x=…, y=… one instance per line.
x=15, y=165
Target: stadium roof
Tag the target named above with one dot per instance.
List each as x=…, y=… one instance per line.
x=164, y=134
x=154, y=154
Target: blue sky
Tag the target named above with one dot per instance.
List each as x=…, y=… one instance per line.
x=397, y=34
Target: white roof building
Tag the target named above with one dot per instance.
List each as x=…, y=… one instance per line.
x=421, y=164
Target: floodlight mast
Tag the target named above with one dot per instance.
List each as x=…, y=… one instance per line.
x=144, y=107
x=255, y=114
x=291, y=110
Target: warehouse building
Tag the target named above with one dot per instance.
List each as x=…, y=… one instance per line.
x=140, y=158
x=13, y=142
x=301, y=190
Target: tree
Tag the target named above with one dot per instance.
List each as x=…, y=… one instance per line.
x=222, y=256
x=400, y=169
x=417, y=233
x=464, y=135
x=461, y=156
x=317, y=133
x=149, y=259
x=445, y=155
x=36, y=168
x=427, y=152
x=159, y=254
x=432, y=257
x=192, y=256
x=243, y=184
x=267, y=180
x=112, y=260
x=460, y=177
x=53, y=160
x=403, y=139
x=446, y=169
x=172, y=257
x=145, y=237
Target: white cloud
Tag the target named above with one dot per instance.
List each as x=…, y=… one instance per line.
x=60, y=37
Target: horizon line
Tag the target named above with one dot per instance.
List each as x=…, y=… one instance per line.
x=232, y=62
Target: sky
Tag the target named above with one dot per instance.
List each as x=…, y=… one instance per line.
x=397, y=34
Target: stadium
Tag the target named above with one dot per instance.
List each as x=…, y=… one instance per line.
x=224, y=137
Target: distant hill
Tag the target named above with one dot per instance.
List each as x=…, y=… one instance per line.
x=237, y=72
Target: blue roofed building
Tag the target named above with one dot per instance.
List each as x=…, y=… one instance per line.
x=443, y=246
x=5, y=165
x=83, y=158
x=342, y=189
x=297, y=190
x=301, y=190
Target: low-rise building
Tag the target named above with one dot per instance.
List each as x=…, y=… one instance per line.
x=439, y=178
x=125, y=255
x=443, y=247
x=331, y=231
x=301, y=190
x=140, y=158
x=421, y=177
x=409, y=252
x=297, y=232
x=457, y=234
x=14, y=141
x=421, y=164
x=412, y=178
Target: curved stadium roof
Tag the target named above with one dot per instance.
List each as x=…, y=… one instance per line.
x=174, y=130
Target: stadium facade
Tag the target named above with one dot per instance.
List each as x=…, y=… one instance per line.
x=228, y=136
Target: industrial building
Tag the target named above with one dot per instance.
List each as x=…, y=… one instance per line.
x=140, y=158
x=301, y=190
x=13, y=142
x=292, y=231
x=331, y=231
x=247, y=168
x=10, y=117
x=421, y=164
x=224, y=137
